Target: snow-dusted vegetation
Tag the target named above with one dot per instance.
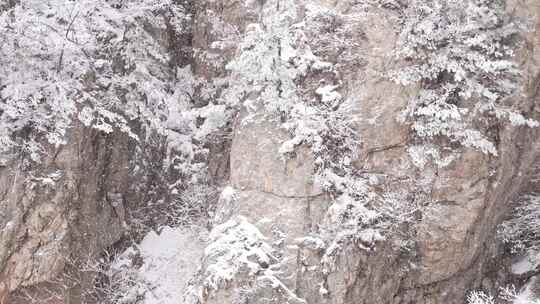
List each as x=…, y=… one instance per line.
x=460, y=54
x=180, y=80
x=90, y=61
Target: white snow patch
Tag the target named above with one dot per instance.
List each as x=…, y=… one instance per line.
x=234, y=245
x=421, y=155
x=328, y=94
x=322, y=290
x=228, y=194
x=9, y=225
x=170, y=259
x=526, y=264
x=527, y=295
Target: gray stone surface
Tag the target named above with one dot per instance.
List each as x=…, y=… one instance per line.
x=454, y=237
x=453, y=241
x=59, y=212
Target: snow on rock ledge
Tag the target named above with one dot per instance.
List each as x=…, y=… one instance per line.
x=169, y=260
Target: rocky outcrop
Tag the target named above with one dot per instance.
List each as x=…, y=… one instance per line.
x=58, y=217
x=76, y=203
x=60, y=213
x=65, y=211
x=453, y=241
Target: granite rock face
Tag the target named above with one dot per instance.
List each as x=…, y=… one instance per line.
x=454, y=237
x=68, y=209
x=74, y=204
x=60, y=216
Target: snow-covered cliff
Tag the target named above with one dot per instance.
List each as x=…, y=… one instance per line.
x=305, y=151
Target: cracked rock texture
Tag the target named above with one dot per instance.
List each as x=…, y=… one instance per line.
x=73, y=205
x=64, y=213
x=68, y=209
x=454, y=239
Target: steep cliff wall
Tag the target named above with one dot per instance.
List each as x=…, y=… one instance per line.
x=332, y=195
x=68, y=209
x=448, y=249
x=63, y=204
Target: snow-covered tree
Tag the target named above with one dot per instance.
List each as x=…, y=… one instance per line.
x=459, y=53
x=274, y=59
x=97, y=62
